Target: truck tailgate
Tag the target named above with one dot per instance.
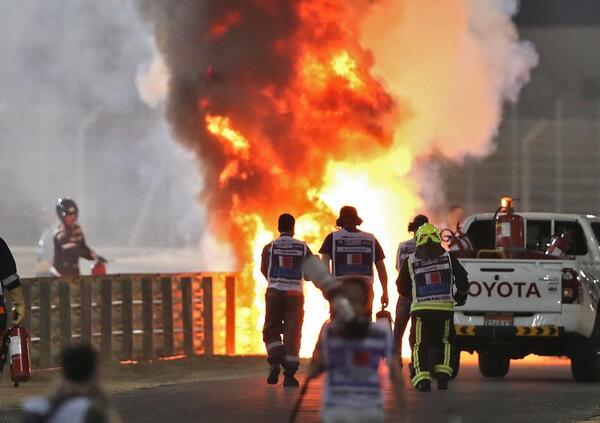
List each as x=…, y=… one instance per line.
x=513, y=285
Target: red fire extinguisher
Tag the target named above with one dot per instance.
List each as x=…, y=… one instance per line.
x=98, y=268
x=510, y=227
x=560, y=244
x=18, y=354
x=384, y=317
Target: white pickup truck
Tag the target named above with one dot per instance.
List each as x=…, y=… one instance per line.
x=543, y=305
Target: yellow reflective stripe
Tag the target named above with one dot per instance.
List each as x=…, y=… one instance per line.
x=421, y=376
x=446, y=343
x=417, y=345
x=443, y=369
x=411, y=260
x=433, y=305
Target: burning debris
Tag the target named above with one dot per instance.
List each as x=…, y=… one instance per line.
x=303, y=106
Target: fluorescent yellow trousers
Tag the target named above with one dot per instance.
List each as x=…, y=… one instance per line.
x=432, y=336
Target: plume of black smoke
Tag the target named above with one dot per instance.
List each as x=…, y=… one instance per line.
x=239, y=59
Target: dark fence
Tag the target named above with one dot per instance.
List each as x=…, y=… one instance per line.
x=131, y=316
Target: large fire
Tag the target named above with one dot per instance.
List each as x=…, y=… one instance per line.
x=305, y=106
x=374, y=185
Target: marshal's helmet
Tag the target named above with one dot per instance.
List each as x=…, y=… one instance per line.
x=427, y=232
x=66, y=206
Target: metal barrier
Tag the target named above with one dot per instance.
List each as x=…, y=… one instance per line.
x=131, y=316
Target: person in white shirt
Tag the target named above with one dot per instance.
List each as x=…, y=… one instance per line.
x=354, y=253
x=405, y=249
x=281, y=265
x=353, y=390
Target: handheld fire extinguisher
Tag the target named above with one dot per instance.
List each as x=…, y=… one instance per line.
x=16, y=347
x=385, y=317
x=98, y=268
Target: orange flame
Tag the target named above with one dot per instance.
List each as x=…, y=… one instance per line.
x=384, y=196
x=221, y=127
x=334, y=107
x=346, y=67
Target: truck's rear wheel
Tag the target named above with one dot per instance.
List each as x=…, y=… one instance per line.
x=493, y=364
x=586, y=369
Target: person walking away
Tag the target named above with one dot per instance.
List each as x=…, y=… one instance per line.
x=405, y=249
x=281, y=264
x=78, y=397
x=353, y=252
x=428, y=277
x=353, y=387
x=69, y=241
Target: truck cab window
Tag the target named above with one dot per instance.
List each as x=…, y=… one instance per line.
x=482, y=234
x=579, y=244
x=538, y=234
x=596, y=229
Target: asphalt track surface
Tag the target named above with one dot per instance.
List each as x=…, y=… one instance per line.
x=530, y=393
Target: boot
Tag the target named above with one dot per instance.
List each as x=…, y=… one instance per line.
x=442, y=381
x=273, y=377
x=290, y=381
x=424, y=386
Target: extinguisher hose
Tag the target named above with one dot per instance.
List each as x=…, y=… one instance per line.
x=494, y=222
x=298, y=404
x=498, y=210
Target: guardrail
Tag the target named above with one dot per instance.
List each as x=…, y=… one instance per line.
x=131, y=316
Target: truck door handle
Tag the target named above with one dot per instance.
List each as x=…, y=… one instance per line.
x=497, y=270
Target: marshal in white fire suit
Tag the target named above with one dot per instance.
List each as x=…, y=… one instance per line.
x=281, y=265
x=352, y=390
x=353, y=254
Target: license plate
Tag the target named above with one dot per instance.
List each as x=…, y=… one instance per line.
x=498, y=319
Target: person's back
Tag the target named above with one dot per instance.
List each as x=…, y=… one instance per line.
x=281, y=265
x=78, y=398
x=352, y=391
x=353, y=253
x=353, y=387
x=71, y=409
x=405, y=249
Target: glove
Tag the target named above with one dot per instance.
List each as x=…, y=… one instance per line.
x=460, y=298
x=16, y=294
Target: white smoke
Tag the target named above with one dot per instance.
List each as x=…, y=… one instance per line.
x=454, y=64
x=72, y=125
x=152, y=81
x=508, y=59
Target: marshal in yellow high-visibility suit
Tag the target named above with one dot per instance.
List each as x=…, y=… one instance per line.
x=428, y=277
